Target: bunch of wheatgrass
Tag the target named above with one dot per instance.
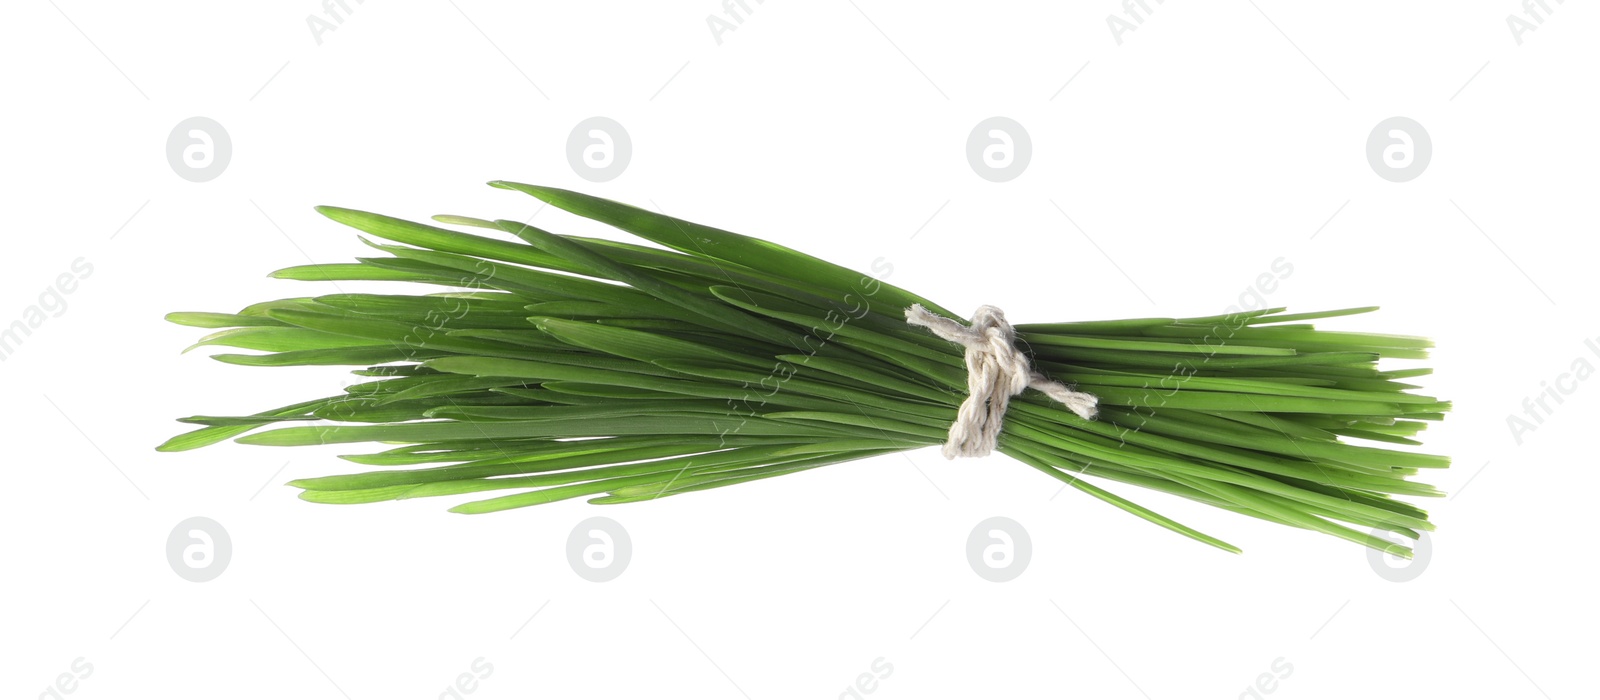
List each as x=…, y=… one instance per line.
x=560, y=366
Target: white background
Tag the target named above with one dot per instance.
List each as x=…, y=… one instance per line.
x=1213, y=140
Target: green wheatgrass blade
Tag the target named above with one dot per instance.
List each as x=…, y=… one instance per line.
x=596, y=310
x=901, y=432
x=534, y=284
x=560, y=367
x=1073, y=341
x=679, y=465
x=444, y=240
x=450, y=305
x=1125, y=325
x=834, y=322
x=576, y=456
x=1134, y=508
x=398, y=335
x=1229, y=401
x=520, y=337
x=1234, y=420
x=365, y=410
x=713, y=314
x=1297, y=334
x=608, y=409
x=1406, y=373
x=602, y=391
x=296, y=303
x=446, y=386
x=776, y=387
x=1190, y=364
x=520, y=450
x=1241, y=386
x=719, y=479
x=441, y=275
x=637, y=345
x=1258, y=463
x=1379, y=437
x=204, y=319
x=695, y=239
x=396, y=384
x=745, y=282
x=650, y=486
x=471, y=221
x=357, y=355
x=1266, y=441
x=1233, y=320
x=279, y=339
x=406, y=459
x=883, y=381
x=570, y=367
x=1282, y=318
x=1397, y=428
x=212, y=435
x=404, y=370
x=347, y=272
x=1197, y=471
x=600, y=427
x=240, y=421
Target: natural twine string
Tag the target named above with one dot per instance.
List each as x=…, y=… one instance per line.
x=996, y=371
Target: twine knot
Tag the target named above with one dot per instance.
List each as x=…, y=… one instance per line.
x=996, y=371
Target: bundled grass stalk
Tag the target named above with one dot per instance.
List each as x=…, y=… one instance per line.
x=553, y=367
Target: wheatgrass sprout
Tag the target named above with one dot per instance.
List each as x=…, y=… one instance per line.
x=549, y=367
